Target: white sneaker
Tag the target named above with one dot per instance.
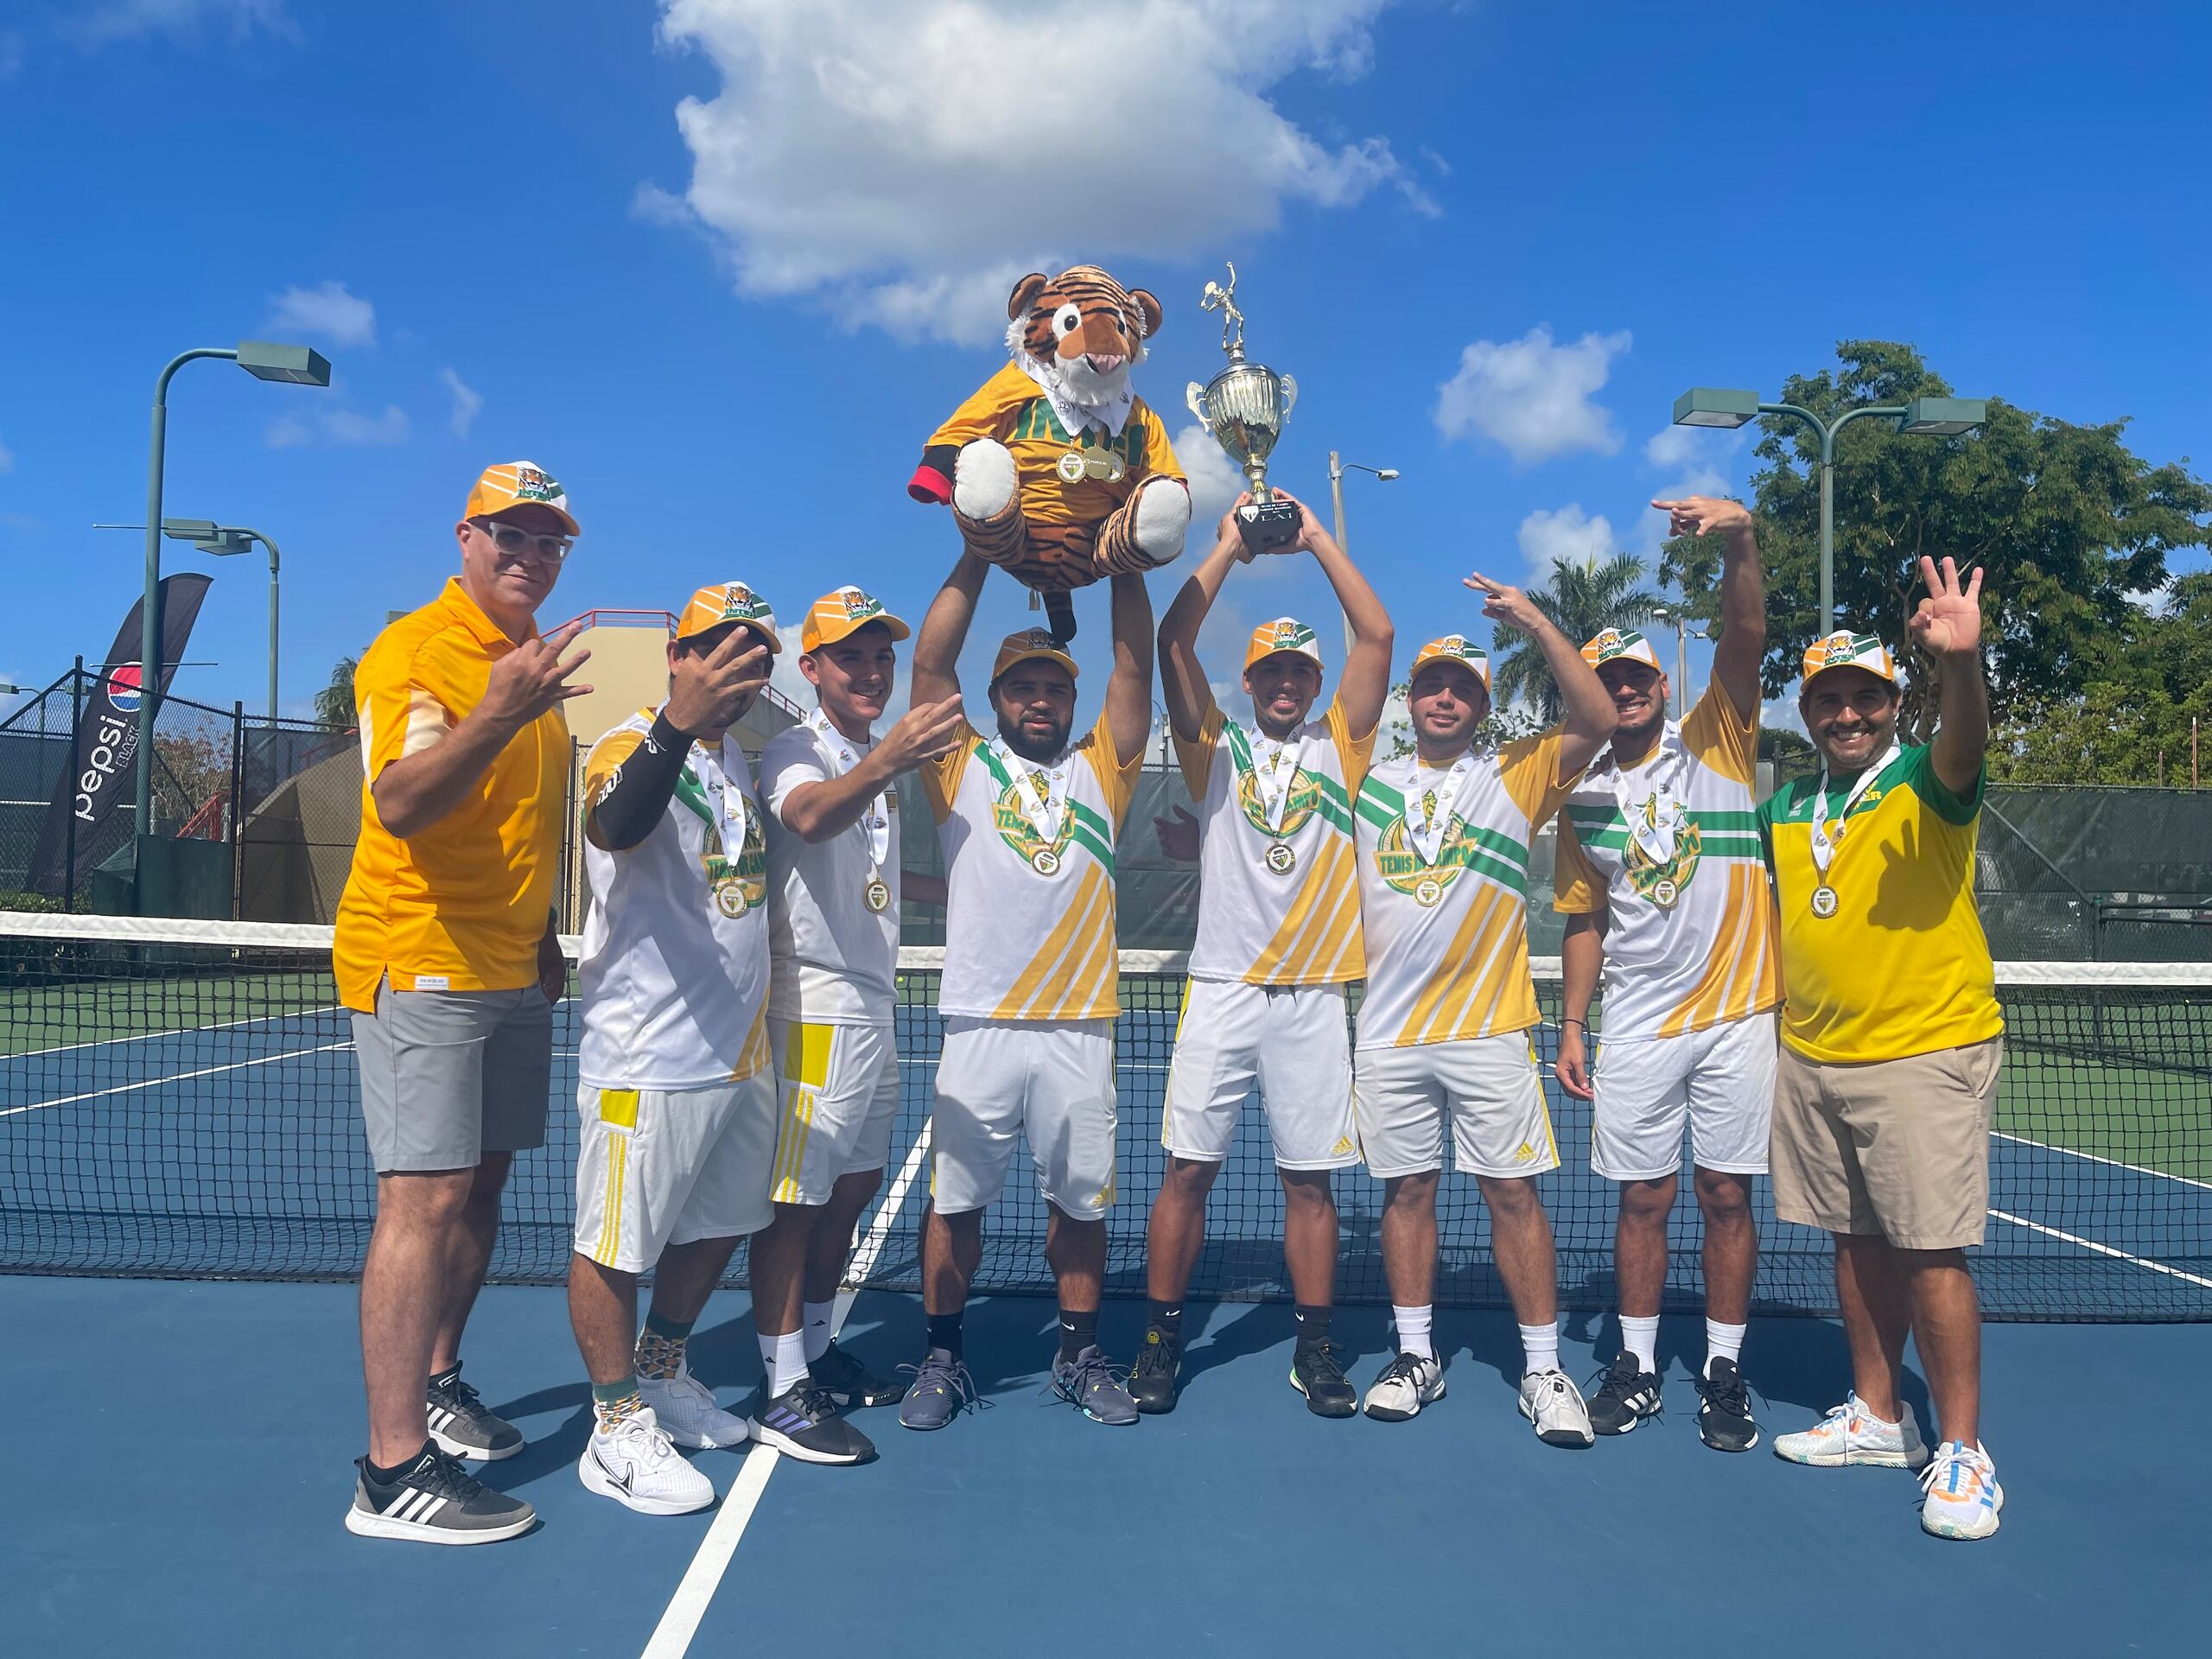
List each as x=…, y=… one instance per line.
x=1408, y=1384
x=1554, y=1404
x=1963, y=1496
x=635, y=1463
x=1851, y=1436
x=687, y=1413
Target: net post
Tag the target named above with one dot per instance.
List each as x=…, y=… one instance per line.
x=69, y=828
x=237, y=788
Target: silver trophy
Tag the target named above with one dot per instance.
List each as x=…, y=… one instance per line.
x=1243, y=409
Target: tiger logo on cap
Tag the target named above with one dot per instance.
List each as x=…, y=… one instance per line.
x=1844, y=648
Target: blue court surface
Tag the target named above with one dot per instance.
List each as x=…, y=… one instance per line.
x=182, y=1467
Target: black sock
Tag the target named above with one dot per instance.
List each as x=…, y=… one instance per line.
x=1168, y=1319
x=443, y=1379
x=1077, y=1332
x=1313, y=1324
x=944, y=1333
x=385, y=1476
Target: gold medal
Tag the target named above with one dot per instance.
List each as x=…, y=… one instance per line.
x=1069, y=468
x=1664, y=892
x=730, y=898
x=878, y=895
x=1428, y=891
x=1104, y=464
x=1824, y=901
x=1281, y=858
x=1044, y=861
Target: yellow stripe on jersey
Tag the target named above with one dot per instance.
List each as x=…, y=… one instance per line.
x=753, y=1058
x=1321, y=929
x=1071, y=975
x=1464, y=996
x=1741, y=974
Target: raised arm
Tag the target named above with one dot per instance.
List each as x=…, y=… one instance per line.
x=1182, y=678
x=1366, y=680
x=1948, y=626
x=944, y=630
x=823, y=810
x=1742, y=643
x=1129, y=689
x=1590, y=717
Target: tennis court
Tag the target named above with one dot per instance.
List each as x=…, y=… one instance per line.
x=178, y=1100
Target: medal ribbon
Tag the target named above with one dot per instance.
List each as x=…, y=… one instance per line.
x=1271, y=779
x=1042, y=791
x=1823, y=845
x=1436, y=807
x=837, y=751
x=1651, y=825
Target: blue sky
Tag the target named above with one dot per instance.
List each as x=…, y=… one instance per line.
x=721, y=265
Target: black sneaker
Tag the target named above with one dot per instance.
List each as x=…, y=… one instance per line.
x=850, y=1384
x=803, y=1423
x=1724, y=1417
x=460, y=1425
x=434, y=1500
x=1153, y=1380
x=1626, y=1398
x=1315, y=1373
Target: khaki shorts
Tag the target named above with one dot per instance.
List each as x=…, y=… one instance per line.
x=1896, y=1149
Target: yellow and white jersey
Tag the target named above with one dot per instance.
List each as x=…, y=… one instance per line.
x=1277, y=906
x=1447, y=932
x=1671, y=848
x=675, y=963
x=835, y=959
x=1029, y=917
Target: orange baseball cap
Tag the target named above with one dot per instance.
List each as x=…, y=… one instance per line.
x=729, y=602
x=1844, y=648
x=1453, y=648
x=1620, y=645
x=1031, y=643
x=1283, y=634
x=518, y=483
x=843, y=611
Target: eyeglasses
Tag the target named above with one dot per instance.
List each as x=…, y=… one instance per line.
x=514, y=540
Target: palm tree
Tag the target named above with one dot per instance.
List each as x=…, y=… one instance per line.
x=1585, y=597
x=334, y=705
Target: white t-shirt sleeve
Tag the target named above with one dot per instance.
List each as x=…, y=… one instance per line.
x=789, y=761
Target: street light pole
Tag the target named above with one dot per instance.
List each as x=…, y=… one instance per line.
x=1338, y=469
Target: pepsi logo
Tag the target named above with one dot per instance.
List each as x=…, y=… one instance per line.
x=124, y=682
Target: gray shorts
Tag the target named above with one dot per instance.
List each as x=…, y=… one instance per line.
x=448, y=1075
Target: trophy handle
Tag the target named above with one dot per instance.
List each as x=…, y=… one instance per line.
x=1195, y=395
x=1289, y=393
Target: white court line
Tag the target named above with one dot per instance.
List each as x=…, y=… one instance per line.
x=2045, y=1145
x=174, y=1031
x=671, y=1637
x=2103, y=1250
x=178, y=1076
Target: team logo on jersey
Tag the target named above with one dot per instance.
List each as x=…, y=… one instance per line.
x=1401, y=867
x=1016, y=830
x=1662, y=882
x=1305, y=798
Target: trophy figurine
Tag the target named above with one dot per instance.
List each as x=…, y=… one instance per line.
x=1243, y=408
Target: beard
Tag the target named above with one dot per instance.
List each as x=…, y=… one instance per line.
x=1036, y=751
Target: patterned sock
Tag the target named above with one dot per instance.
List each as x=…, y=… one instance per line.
x=816, y=1324
x=1640, y=1337
x=661, y=1346
x=612, y=1402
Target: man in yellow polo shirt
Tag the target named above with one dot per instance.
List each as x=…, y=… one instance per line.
x=446, y=952
x=1891, y=1042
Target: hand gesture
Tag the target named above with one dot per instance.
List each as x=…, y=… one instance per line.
x=1178, y=837
x=533, y=677
x=1507, y=605
x=1228, y=532
x=923, y=733
x=1949, y=621
x=1309, y=528
x=706, y=693
x=1698, y=515
x=1571, y=1068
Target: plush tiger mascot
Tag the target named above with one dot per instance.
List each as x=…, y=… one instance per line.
x=1054, y=467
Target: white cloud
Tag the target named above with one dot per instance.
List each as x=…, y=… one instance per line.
x=1698, y=460
x=133, y=20
x=1214, y=483
x=6, y=460
x=1533, y=396
x=1565, y=533
x=339, y=428
x=467, y=400
x=327, y=311
x=905, y=165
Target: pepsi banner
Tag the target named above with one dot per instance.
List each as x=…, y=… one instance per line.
x=104, y=758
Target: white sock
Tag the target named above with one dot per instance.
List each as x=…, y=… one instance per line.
x=1540, y=1348
x=1722, y=1342
x=816, y=1326
x=784, y=1358
x=1413, y=1330
x=1641, y=1337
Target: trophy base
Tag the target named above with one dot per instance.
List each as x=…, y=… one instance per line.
x=1267, y=526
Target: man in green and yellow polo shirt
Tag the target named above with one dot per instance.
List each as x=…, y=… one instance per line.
x=1891, y=1042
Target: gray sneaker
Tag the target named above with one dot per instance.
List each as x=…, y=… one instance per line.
x=1097, y=1384
x=462, y=1426
x=941, y=1390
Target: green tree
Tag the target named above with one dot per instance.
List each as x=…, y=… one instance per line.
x=2071, y=527
x=1503, y=726
x=1585, y=597
x=334, y=705
x=1793, y=756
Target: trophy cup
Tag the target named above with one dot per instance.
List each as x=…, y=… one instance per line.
x=1243, y=408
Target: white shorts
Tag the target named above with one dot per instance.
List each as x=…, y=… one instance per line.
x=1718, y=1082
x=656, y=1169
x=1053, y=1079
x=839, y=1094
x=1293, y=1042
x=1489, y=1089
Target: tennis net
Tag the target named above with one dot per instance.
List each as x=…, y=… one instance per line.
x=179, y=1099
